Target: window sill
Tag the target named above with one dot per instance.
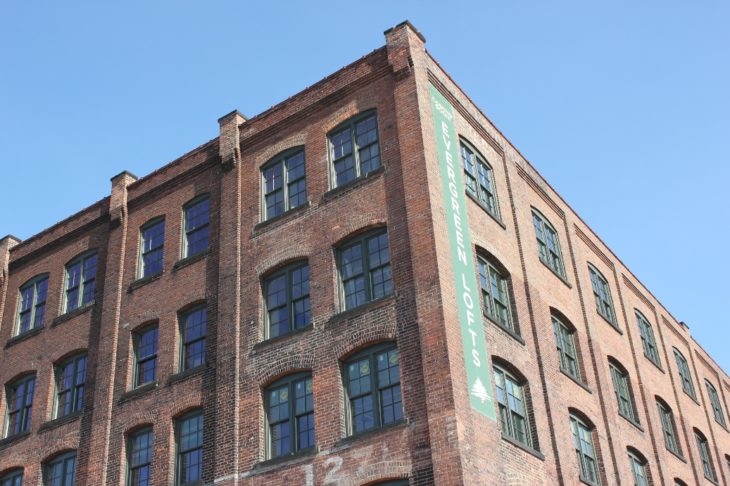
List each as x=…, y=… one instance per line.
x=658, y=365
x=276, y=221
x=576, y=381
x=278, y=339
x=22, y=337
x=484, y=208
x=184, y=375
x=712, y=480
x=303, y=455
x=361, y=309
x=13, y=439
x=71, y=314
x=557, y=274
x=613, y=324
x=588, y=481
x=506, y=329
x=632, y=422
x=375, y=431
x=57, y=422
x=676, y=454
x=141, y=282
x=724, y=427
x=524, y=447
x=353, y=184
x=139, y=391
x=184, y=262
x=694, y=399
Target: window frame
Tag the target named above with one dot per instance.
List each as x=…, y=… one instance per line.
x=77, y=387
x=289, y=384
x=685, y=374
x=144, y=253
x=36, y=308
x=622, y=390
x=200, y=227
x=180, y=453
x=651, y=351
x=639, y=469
x=482, y=189
x=187, y=342
x=367, y=271
x=565, y=342
x=490, y=303
x=703, y=448
x=13, y=477
x=350, y=126
x=85, y=282
x=547, y=237
x=134, y=450
x=371, y=355
x=287, y=182
x=669, y=427
x=602, y=294
x=580, y=430
x=140, y=361
x=290, y=300
x=510, y=416
x=23, y=412
x=62, y=460
x=715, y=403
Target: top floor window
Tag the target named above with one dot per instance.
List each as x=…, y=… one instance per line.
x=354, y=149
x=80, y=281
x=197, y=226
x=715, y=402
x=479, y=179
x=547, y=244
x=602, y=293
x=647, y=339
x=32, y=304
x=153, y=242
x=365, y=269
x=685, y=376
x=284, y=183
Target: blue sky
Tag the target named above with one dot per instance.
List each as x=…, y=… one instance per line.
x=623, y=106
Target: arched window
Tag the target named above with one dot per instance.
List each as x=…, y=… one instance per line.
x=585, y=450
x=354, y=150
x=32, y=304
x=548, y=244
x=647, y=338
x=602, y=293
x=685, y=376
x=364, y=269
x=189, y=442
x=70, y=385
x=479, y=178
x=703, y=447
x=152, y=245
x=12, y=478
x=289, y=406
x=567, y=349
x=196, y=225
x=284, y=183
x=514, y=406
x=80, y=282
x=139, y=457
x=60, y=470
x=496, y=292
x=286, y=293
x=639, y=468
x=669, y=427
x=715, y=403
x=144, y=341
x=622, y=390
x=19, y=394
x=193, y=323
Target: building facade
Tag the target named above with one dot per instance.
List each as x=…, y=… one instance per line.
x=365, y=284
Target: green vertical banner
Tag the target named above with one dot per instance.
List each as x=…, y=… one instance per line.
x=467, y=296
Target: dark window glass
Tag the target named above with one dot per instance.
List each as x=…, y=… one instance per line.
x=285, y=185
x=622, y=390
x=354, y=150
x=197, y=226
x=139, y=448
x=61, y=471
x=290, y=415
x=70, y=382
x=287, y=300
x=668, y=428
x=479, y=178
x=190, y=449
x=704, y=449
x=80, y=282
x=373, y=388
x=32, y=304
x=685, y=376
x=715, y=402
x=602, y=293
x=585, y=451
x=639, y=470
x=20, y=405
x=512, y=404
x=567, y=353
x=13, y=478
x=193, y=338
x=365, y=269
x=647, y=339
x=145, y=348
x=495, y=294
x=153, y=242
x=547, y=243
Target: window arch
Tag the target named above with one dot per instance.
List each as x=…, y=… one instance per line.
x=496, y=287
x=13, y=477
x=639, y=467
x=514, y=404
x=602, y=294
x=354, y=150
x=479, y=178
x=286, y=299
x=669, y=427
x=372, y=387
x=80, y=285
x=32, y=304
x=622, y=390
x=289, y=405
x=548, y=243
x=647, y=338
x=567, y=345
x=196, y=225
x=586, y=448
x=284, y=185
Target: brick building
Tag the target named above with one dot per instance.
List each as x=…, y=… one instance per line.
x=365, y=284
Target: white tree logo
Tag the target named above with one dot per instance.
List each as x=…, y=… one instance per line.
x=480, y=391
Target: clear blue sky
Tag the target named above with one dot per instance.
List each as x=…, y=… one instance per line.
x=623, y=106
